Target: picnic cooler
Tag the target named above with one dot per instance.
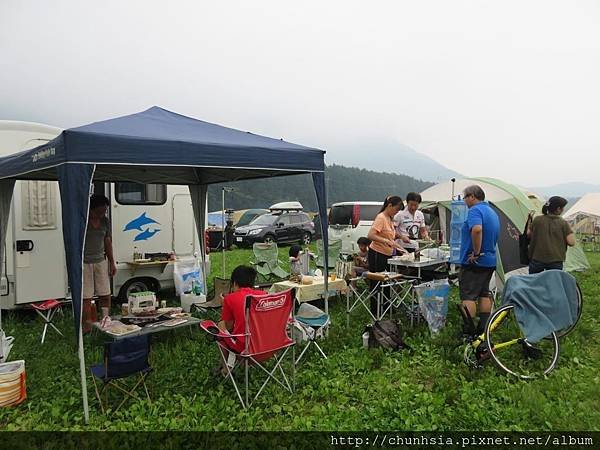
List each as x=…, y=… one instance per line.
x=12, y=383
x=433, y=301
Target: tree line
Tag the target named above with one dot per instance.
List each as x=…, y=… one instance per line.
x=343, y=184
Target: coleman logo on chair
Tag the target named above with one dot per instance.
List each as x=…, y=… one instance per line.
x=270, y=303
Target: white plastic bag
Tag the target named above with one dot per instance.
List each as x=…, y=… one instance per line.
x=6, y=343
x=186, y=275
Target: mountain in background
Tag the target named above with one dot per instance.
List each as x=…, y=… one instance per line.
x=388, y=155
x=567, y=190
x=343, y=184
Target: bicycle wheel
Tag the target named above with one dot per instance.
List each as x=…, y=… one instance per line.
x=512, y=353
x=567, y=330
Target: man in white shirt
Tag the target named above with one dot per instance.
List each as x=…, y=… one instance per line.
x=410, y=223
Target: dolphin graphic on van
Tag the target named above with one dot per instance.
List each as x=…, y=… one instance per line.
x=139, y=222
x=146, y=234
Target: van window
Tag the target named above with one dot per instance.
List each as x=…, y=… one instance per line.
x=341, y=215
x=369, y=212
x=141, y=194
x=348, y=214
x=39, y=205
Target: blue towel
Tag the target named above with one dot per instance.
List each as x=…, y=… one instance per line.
x=544, y=302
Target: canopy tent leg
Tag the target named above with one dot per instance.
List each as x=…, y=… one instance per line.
x=199, y=194
x=86, y=410
x=75, y=183
x=320, y=191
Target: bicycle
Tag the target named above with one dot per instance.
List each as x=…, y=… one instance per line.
x=504, y=343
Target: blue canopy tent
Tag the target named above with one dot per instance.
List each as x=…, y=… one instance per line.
x=153, y=146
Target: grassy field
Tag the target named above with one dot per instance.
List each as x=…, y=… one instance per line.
x=427, y=389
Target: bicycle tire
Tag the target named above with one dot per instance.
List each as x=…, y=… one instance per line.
x=510, y=357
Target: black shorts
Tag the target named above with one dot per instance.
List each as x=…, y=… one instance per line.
x=474, y=282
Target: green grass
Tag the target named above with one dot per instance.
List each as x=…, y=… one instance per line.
x=427, y=389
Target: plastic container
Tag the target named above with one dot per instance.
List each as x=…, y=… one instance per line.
x=187, y=300
x=12, y=383
x=365, y=339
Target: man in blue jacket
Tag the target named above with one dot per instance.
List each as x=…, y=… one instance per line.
x=478, y=254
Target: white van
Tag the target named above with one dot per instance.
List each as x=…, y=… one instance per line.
x=152, y=218
x=349, y=221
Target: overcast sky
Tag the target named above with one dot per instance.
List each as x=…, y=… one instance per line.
x=509, y=89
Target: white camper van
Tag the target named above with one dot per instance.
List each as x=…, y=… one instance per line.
x=349, y=221
x=145, y=219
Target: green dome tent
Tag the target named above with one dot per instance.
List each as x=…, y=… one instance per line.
x=512, y=204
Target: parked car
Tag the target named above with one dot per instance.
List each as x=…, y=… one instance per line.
x=249, y=215
x=278, y=226
x=349, y=221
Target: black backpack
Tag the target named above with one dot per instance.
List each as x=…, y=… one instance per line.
x=387, y=334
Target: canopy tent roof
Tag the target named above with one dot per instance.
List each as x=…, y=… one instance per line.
x=169, y=146
x=153, y=146
x=588, y=205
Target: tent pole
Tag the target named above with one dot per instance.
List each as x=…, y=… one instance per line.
x=84, y=393
x=223, y=232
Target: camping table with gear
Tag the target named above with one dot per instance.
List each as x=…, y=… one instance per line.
x=143, y=316
x=409, y=260
x=312, y=288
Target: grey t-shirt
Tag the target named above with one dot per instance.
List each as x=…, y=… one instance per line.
x=93, y=250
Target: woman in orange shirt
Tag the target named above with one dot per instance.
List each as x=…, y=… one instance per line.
x=382, y=235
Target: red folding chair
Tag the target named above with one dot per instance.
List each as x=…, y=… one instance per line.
x=47, y=310
x=267, y=319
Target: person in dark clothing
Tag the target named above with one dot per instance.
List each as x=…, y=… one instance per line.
x=549, y=235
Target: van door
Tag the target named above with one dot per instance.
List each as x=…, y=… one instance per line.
x=183, y=225
x=40, y=268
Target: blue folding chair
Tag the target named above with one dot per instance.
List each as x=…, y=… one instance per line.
x=122, y=359
x=313, y=324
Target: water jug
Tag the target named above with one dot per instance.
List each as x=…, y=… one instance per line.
x=459, y=215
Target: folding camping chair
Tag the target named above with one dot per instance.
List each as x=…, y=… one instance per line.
x=267, y=320
x=221, y=287
x=122, y=359
x=334, y=247
x=267, y=262
x=312, y=324
x=47, y=310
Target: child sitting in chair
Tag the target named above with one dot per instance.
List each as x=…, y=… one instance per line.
x=361, y=264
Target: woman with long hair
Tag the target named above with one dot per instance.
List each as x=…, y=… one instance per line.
x=549, y=236
x=382, y=236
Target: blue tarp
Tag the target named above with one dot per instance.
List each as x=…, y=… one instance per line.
x=215, y=219
x=153, y=146
x=544, y=302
